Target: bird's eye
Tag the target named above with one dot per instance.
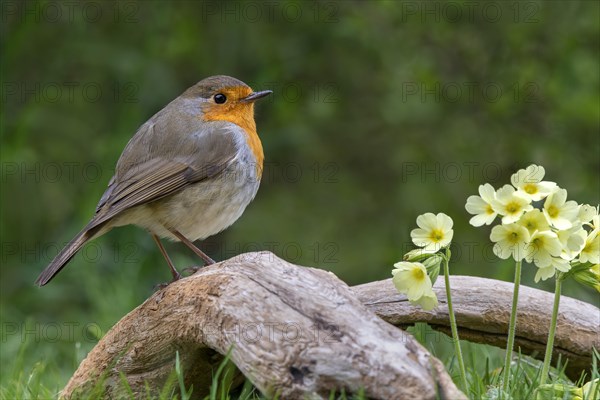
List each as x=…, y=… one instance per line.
x=220, y=98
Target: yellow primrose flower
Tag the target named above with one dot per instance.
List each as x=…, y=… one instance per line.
x=427, y=302
x=543, y=245
x=511, y=204
x=548, y=271
x=529, y=182
x=591, y=249
x=412, y=279
x=434, y=232
x=560, y=213
x=510, y=240
x=544, y=273
x=534, y=220
x=481, y=206
x=595, y=224
x=586, y=213
x=572, y=241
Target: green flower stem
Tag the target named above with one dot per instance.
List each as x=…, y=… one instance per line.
x=550, y=344
x=457, y=350
x=512, y=327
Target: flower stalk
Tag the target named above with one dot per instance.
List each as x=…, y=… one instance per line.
x=561, y=238
x=512, y=327
x=455, y=339
x=551, y=333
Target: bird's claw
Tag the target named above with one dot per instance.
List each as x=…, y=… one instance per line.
x=192, y=270
x=161, y=286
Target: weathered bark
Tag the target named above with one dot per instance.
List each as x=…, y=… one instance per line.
x=482, y=307
x=294, y=331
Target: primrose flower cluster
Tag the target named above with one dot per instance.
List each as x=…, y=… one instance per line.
x=538, y=224
x=415, y=276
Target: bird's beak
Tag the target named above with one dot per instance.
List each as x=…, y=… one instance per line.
x=252, y=97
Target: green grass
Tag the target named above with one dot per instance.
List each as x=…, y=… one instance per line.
x=484, y=365
x=41, y=379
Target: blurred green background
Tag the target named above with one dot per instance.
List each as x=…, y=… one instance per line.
x=381, y=111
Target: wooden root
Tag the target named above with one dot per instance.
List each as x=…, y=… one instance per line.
x=295, y=332
x=301, y=333
x=482, y=308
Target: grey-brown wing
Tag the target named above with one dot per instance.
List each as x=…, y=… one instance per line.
x=158, y=177
x=106, y=194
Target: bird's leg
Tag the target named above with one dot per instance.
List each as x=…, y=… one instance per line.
x=174, y=272
x=207, y=260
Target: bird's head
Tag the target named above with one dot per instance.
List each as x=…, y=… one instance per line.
x=224, y=98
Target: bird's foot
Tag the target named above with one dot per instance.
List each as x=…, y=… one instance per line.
x=192, y=270
x=208, y=261
x=160, y=286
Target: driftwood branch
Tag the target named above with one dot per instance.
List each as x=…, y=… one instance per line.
x=301, y=333
x=482, y=307
x=293, y=331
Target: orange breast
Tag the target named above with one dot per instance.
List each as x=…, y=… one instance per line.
x=242, y=115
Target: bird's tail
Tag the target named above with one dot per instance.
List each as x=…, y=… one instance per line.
x=65, y=255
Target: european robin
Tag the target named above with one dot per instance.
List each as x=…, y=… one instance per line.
x=187, y=173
